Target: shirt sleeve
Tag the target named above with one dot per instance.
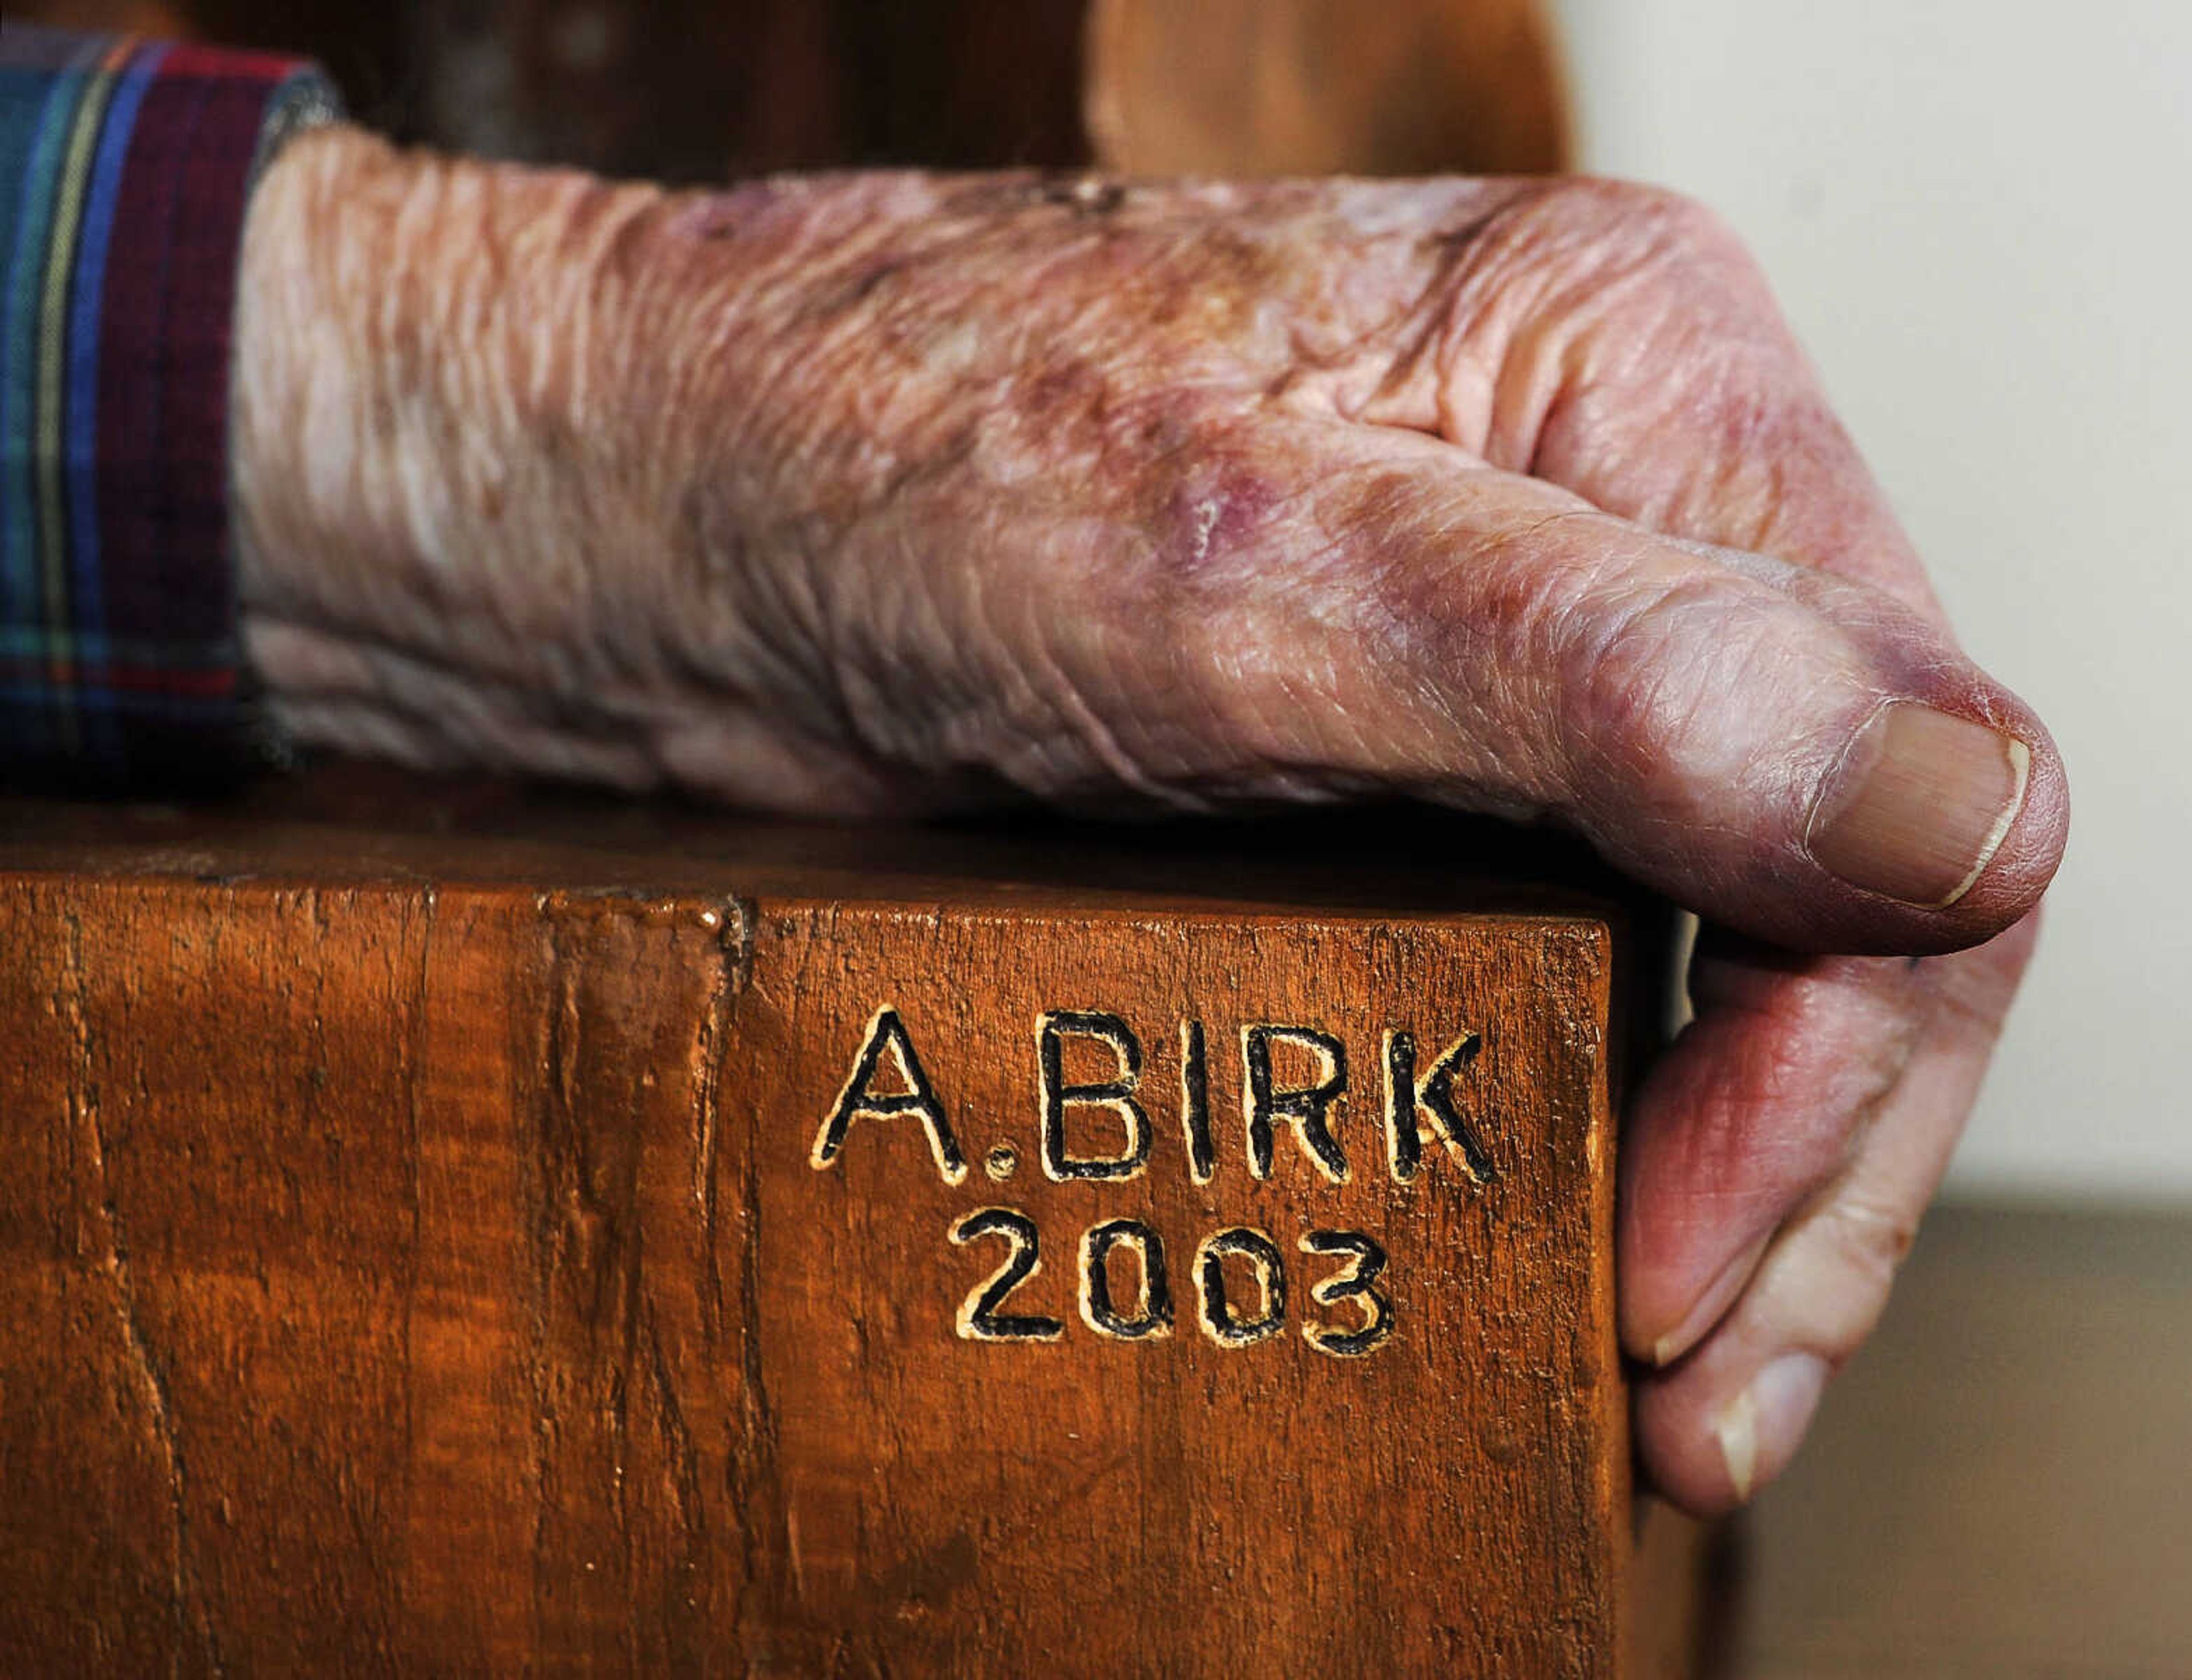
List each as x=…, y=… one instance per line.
x=125, y=167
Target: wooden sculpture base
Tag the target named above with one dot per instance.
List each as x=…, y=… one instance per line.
x=460, y=1233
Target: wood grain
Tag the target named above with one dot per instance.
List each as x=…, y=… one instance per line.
x=417, y=1258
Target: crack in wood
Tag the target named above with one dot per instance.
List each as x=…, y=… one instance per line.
x=84, y=1101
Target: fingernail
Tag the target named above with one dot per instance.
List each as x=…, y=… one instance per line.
x=1760, y=1428
x=1919, y=804
x=1717, y=1296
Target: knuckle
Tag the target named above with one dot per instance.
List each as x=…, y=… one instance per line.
x=1663, y=268
x=1684, y=223
x=1636, y=219
x=1646, y=666
x=1865, y=1244
x=1720, y=698
x=1673, y=227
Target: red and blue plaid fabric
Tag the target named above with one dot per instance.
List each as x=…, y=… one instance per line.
x=125, y=167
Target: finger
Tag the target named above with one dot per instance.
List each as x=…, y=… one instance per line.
x=1662, y=383
x=1723, y=1422
x=1756, y=1104
x=1797, y=756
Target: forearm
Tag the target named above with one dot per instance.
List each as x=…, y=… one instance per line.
x=489, y=429
x=540, y=472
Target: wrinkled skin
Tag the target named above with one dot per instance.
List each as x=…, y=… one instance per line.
x=877, y=493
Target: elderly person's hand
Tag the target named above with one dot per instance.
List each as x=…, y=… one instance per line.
x=878, y=494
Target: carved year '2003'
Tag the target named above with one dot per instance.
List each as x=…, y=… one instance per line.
x=1291, y=1077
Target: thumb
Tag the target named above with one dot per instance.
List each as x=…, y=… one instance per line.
x=1797, y=756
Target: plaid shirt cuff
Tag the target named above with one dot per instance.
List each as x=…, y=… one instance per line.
x=125, y=167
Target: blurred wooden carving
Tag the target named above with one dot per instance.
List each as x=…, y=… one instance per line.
x=695, y=90
x=1316, y=87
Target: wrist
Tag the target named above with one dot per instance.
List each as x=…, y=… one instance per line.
x=459, y=458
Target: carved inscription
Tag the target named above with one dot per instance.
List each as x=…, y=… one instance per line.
x=1152, y=1317
x=1094, y=1124
x=1239, y=1283
x=1357, y=1282
x=860, y=1099
x=1307, y=1107
x=1194, y=1102
x=1225, y=1322
x=1116, y=1092
x=1406, y=1097
x=980, y=1317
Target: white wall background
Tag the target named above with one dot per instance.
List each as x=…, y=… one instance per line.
x=1979, y=213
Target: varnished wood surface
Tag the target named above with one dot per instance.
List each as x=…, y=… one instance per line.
x=424, y=1248
x=355, y=821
